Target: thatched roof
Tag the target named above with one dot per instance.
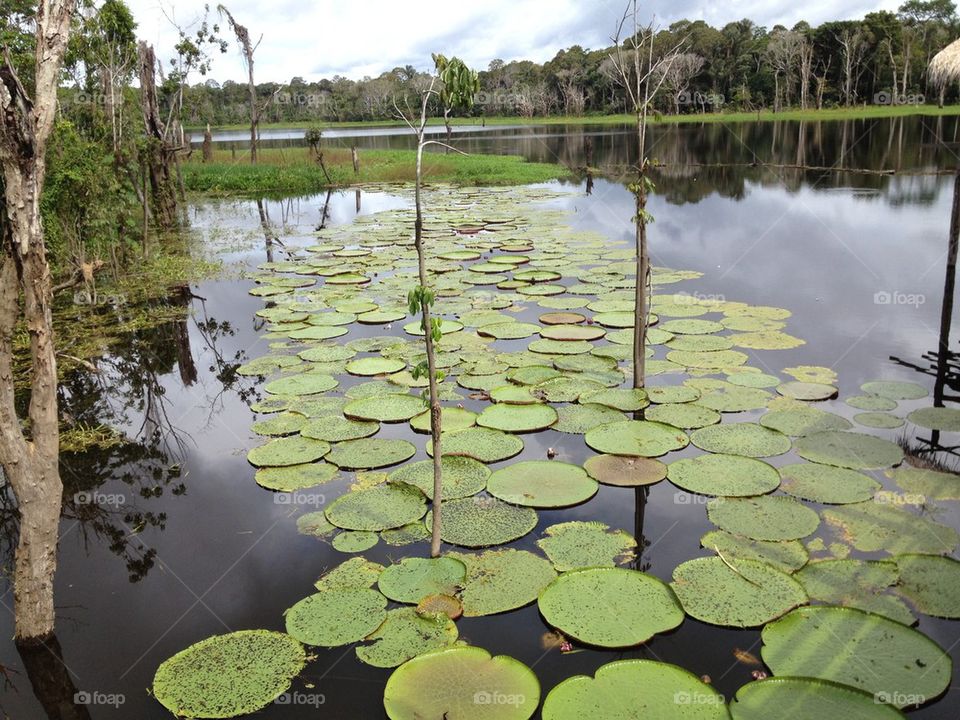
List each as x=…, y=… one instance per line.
x=945, y=66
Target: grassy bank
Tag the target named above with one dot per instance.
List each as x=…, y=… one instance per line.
x=294, y=171
x=854, y=113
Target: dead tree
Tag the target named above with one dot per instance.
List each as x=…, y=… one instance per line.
x=248, y=49
x=158, y=156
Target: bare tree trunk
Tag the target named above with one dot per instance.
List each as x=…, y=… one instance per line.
x=207, y=145
x=355, y=155
x=158, y=154
x=30, y=463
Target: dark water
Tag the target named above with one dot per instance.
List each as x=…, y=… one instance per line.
x=183, y=544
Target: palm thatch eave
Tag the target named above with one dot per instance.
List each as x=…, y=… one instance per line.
x=944, y=68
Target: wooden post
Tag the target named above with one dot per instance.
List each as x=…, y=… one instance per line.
x=355, y=154
x=207, y=145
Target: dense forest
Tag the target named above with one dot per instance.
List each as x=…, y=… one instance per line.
x=881, y=59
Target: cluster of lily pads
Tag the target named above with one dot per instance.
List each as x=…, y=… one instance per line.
x=537, y=331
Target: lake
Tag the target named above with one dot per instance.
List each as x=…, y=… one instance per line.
x=184, y=544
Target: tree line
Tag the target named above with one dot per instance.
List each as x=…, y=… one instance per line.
x=879, y=59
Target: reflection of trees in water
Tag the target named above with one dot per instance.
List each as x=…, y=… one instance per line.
x=52, y=682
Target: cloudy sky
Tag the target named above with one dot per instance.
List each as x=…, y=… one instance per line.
x=320, y=38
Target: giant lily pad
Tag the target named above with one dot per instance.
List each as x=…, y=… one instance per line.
x=625, y=471
x=574, y=545
x=336, y=428
x=854, y=583
x=895, y=663
x=228, y=675
x=931, y=583
x=302, y=384
x=736, y=592
x=808, y=699
x=801, y=421
x=731, y=475
x=542, y=484
x=461, y=476
x=580, y=419
x=827, y=484
x=287, y=451
x=482, y=522
x=368, y=366
x=377, y=508
x=931, y=484
x=405, y=635
x=936, y=418
x=451, y=419
x=768, y=517
x=744, y=438
x=895, y=390
x=370, y=453
x=636, y=438
x=336, y=617
x=413, y=578
x=501, y=580
x=874, y=527
x=689, y=416
x=810, y=391
x=785, y=555
x=388, y=408
x=610, y=607
x=630, y=689
x=517, y=418
x=625, y=399
x=484, y=444
x=465, y=683
x=849, y=450
x=295, y=477
x=355, y=573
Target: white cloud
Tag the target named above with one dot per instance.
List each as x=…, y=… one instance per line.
x=328, y=37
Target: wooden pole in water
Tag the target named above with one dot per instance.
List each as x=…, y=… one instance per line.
x=949, y=286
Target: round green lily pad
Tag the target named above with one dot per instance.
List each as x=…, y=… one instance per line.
x=936, y=418
x=827, y=484
x=767, y=517
x=460, y=476
x=580, y=419
x=542, y=484
x=509, y=330
x=465, y=683
x=315, y=523
x=610, y=607
x=336, y=428
x=568, y=389
x=874, y=527
x=689, y=416
x=302, y=384
x=533, y=374
x=735, y=592
x=405, y=635
x=932, y=484
x=895, y=663
x=578, y=544
x=293, y=450
x=808, y=699
x=354, y=573
x=766, y=340
x=389, y=408
x=729, y=475
x=624, y=399
x=285, y=423
x=517, y=418
x=744, y=438
x=514, y=395
x=501, y=580
x=451, y=419
x=413, y=578
x=798, y=422
x=860, y=584
x=354, y=541
x=560, y=347
x=480, y=443
x=727, y=397
x=370, y=453
x=625, y=471
x=873, y=403
x=878, y=420
x=849, y=450
x=669, y=394
x=636, y=438
x=377, y=508
x=228, y=675
x=691, y=327
x=295, y=477
x=894, y=390
x=931, y=583
x=336, y=617
x=630, y=689
x=712, y=360
x=562, y=318
x=572, y=332
x=809, y=391
x=785, y=555
x=481, y=522
x=368, y=366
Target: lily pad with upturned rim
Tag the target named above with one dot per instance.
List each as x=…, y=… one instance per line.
x=542, y=484
x=623, y=471
x=801, y=698
x=336, y=617
x=389, y=408
x=290, y=478
x=302, y=384
x=370, y=453
x=517, y=418
x=336, y=428
x=636, y=438
x=293, y=450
